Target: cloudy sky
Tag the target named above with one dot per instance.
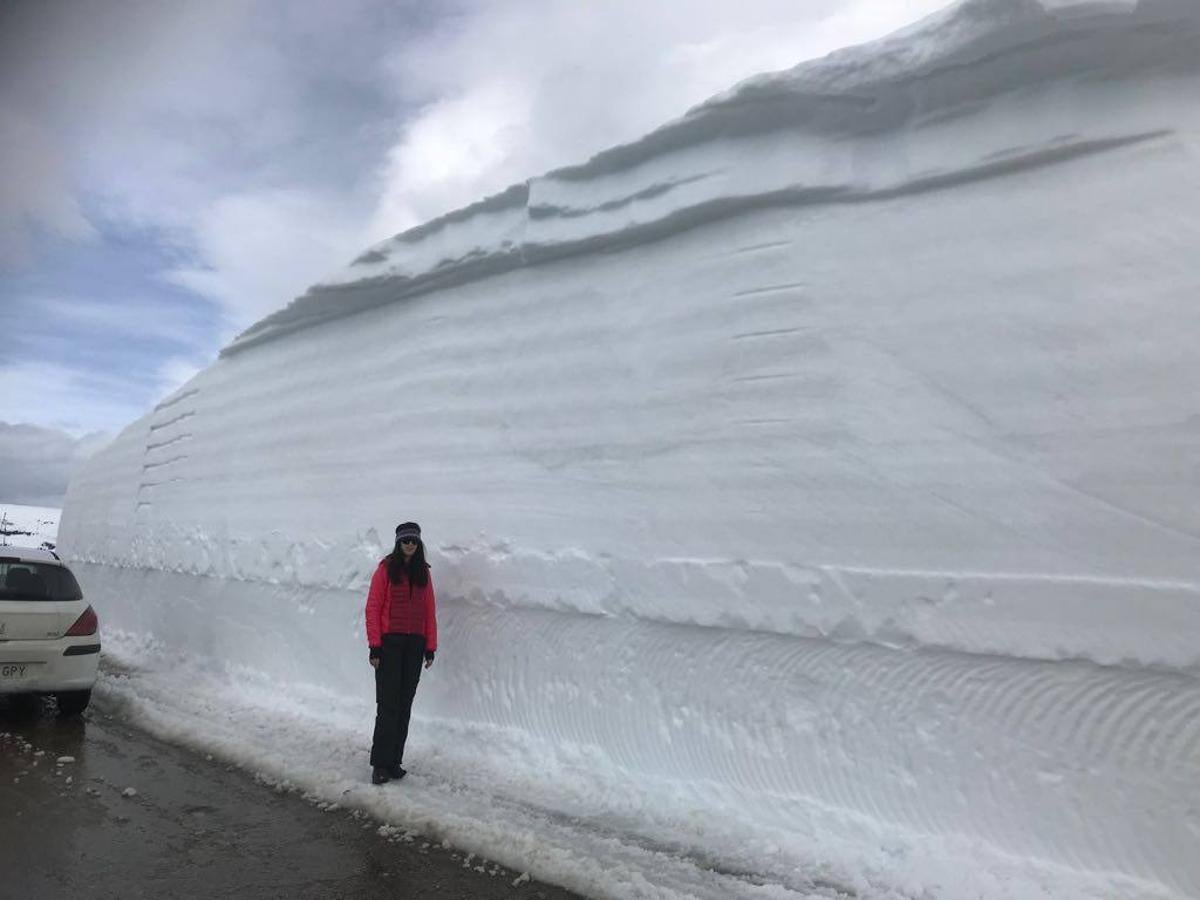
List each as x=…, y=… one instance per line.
x=171, y=172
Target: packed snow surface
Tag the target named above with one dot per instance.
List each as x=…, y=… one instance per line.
x=811, y=489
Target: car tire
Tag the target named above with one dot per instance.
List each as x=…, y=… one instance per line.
x=72, y=703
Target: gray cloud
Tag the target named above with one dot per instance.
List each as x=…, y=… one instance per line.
x=38, y=195
x=36, y=463
x=246, y=133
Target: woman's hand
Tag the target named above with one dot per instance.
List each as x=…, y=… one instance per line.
x=374, y=662
x=428, y=662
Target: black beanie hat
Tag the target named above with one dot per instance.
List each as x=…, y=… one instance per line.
x=408, y=529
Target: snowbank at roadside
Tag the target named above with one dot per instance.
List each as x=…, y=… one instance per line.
x=559, y=811
x=819, y=470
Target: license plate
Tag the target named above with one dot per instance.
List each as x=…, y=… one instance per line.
x=16, y=671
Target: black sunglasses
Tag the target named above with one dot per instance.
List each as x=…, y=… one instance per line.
x=408, y=540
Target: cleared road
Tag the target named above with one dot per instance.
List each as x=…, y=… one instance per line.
x=97, y=808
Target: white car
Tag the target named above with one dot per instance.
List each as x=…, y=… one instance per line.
x=49, y=635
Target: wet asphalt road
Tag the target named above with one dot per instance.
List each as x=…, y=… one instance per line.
x=195, y=828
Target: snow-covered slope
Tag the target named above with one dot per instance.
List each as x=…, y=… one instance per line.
x=823, y=464
x=28, y=526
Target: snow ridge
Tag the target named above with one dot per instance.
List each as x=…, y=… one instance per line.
x=809, y=137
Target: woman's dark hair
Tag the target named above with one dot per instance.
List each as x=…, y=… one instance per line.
x=415, y=569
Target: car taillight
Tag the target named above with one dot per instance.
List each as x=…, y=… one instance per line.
x=86, y=624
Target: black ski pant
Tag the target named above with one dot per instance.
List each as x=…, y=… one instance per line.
x=396, y=680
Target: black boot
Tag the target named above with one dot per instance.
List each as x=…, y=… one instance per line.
x=379, y=775
x=397, y=772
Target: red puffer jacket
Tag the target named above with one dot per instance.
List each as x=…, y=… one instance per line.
x=380, y=599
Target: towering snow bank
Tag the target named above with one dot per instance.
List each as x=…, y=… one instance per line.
x=824, y=462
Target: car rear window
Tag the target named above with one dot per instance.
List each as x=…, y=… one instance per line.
x=32, y=581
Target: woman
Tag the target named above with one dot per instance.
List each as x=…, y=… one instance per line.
x=401, y=630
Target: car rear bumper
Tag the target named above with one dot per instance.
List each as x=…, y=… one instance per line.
x=42, y=666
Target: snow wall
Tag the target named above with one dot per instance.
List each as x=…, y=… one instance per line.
x=826, y=460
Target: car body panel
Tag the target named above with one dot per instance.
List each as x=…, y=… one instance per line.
x=43, y=667
x=24, y=621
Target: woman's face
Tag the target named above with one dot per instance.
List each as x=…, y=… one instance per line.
x=408, y=546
